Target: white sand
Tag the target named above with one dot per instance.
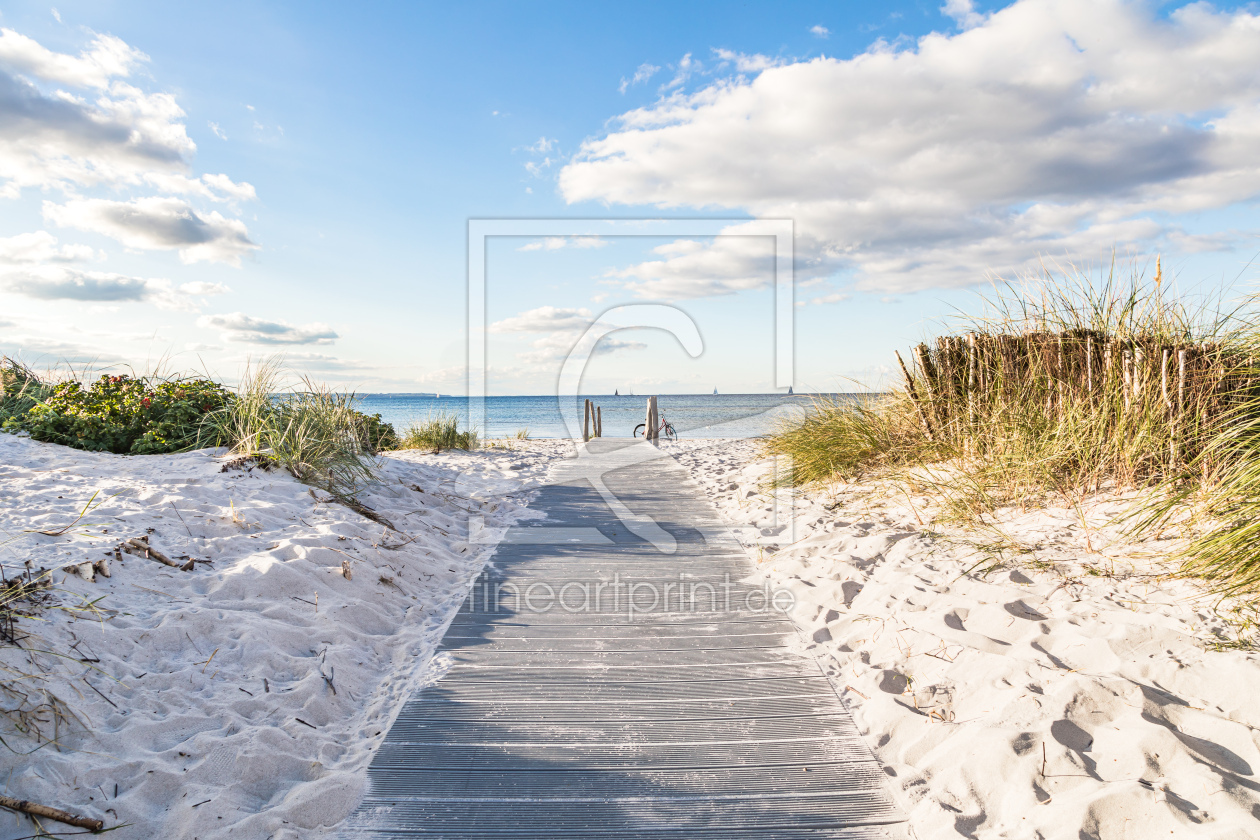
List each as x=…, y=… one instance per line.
x=196, y=743
x=960, y=682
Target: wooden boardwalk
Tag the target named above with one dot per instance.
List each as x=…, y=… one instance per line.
x=689, y=720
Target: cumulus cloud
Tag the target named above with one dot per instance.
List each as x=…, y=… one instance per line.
x=45, y=283
x=745, y=63
x=61, y=140
x=820, y=31
x=158, y=224
x=39, y=247
x=243, y=329
x=963, y=12
x=106, y=58
x=692, y=269
x=562, y=328
x=556, y=243
x=1050, y=127
x=554, y=347
x=545, y=319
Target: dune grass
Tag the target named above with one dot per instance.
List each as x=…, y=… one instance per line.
x=311, y=430
x=1078, y=386
x=438, y=432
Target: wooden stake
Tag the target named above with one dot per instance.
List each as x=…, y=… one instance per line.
x=586, y=420
x=37, y=810
x=1089, y=364
x=914, y=398
x=599, y=422
x=1163, y=379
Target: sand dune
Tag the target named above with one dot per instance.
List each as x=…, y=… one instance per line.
x=1075, y=693
x=243, y=698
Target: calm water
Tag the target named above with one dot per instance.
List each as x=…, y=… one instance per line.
x=693, y=415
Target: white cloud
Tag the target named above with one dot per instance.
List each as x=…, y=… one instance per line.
x=553, y=347
x=820, y=31
x=218, y=132
x=202, y=288
x=48, y=283
x=745, y=63
x=56, y=14
x=834, y=297
x=682, y=71
x=108, y=57
x=555, y=243
x=40, y=247
x=691, y=269
x=545, y=319
x=1053, y=127
x=158, y=224
x=963, y=12
x=562, y=328
x=542, y=146
x=243, y=329
x=645, y=72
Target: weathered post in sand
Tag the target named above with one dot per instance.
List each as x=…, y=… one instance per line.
x=586, y=420
x=599, y=422
x=650, y=424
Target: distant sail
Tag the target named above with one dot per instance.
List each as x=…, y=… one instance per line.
x=789, y=390
x=616, y=393
x=715, y=393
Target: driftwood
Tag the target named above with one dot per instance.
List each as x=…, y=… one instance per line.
x=358, y=507
x=140, y=546
x=37, y=810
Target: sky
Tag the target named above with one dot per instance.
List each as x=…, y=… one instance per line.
x=192, y=187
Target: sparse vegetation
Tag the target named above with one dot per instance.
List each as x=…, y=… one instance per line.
x=313, y=431
x=437, y=433
x=1079, y=387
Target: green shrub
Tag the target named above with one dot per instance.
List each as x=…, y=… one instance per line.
x=438, y=433
x=123, y=414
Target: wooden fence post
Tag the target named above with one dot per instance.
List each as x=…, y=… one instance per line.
x=599, y=422
x=586, y=420
x=914, y=398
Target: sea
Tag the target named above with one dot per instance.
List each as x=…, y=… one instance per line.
x=692, y=415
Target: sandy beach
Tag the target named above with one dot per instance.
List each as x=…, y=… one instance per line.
x=245, y=698
x=1074, y=692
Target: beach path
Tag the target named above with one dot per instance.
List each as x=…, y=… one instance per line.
x=680, y=719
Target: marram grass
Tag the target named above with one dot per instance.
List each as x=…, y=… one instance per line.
x=1077, y=388
x=437, y=433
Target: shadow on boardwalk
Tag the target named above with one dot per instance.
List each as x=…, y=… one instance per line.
x=689, y=719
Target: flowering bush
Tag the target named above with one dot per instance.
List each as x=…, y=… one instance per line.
x=125, y=415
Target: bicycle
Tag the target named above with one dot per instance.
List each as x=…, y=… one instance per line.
x=666, y=430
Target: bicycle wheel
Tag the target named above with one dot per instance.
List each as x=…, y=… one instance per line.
x=638, y=430
x=670, y=434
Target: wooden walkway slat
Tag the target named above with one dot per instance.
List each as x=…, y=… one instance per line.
x=692, y=720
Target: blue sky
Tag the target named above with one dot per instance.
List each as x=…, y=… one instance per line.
x=304, y=174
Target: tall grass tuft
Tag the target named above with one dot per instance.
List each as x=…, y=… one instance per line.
x=437, y=433
x=1064, y=388
x=21, y=389
x=313, y=431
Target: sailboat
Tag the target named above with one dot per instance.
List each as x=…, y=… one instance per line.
x=715, y=393
x=789, y=390
x=616, y=393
